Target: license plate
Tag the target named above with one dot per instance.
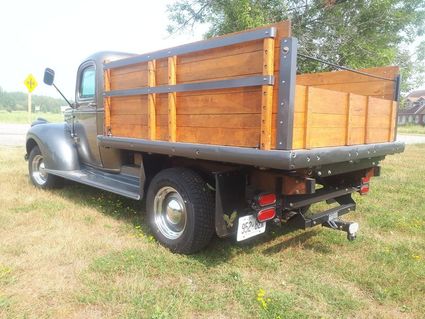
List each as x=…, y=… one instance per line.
x=248, y=226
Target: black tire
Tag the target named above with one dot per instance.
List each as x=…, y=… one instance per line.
x=40, y=179
x=198, y=209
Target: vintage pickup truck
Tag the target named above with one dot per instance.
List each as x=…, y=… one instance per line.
x=222, y=136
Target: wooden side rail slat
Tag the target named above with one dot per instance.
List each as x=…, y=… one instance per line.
x=308, y=118
x=151, y=101
x=172, y=125
x=348, y=121
x=267, y=95
x=393, y=115
x=366, y=131
x=107, y=103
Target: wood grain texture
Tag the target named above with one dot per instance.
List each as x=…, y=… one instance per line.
x=331, y=108
x=346, y=81
x=172, y=126
x=267, y=95
x=151, y=101
x=393, y=125
x=107, y=104
x=348, y=121
x=357, y=119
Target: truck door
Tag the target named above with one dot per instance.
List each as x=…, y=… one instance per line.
x=85, y=114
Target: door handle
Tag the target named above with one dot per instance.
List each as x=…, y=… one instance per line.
x=92, y=104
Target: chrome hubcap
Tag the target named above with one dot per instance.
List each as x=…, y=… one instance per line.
x=170, y=212
x=38, y=170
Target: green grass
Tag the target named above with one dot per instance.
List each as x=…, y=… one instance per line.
x=79, y=252
x=411, y=129
x=21, y=117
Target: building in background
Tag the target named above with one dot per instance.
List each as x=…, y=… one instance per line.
x=414, y=112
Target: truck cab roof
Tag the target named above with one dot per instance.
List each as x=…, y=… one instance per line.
x=100, y=57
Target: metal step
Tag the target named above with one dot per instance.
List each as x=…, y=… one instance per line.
x=125, y=185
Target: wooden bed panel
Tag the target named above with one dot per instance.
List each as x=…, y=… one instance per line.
x=333, y=118
x=235, y=117
x=350, y=82
x=128, y=105
x=129, y=77
x=376, y=135
x=248, y=137
x=135, y=131
x=326, y=136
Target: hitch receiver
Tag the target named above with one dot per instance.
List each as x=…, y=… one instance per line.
x=351, y=228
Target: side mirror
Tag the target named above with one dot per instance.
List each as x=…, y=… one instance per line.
x=49, y=76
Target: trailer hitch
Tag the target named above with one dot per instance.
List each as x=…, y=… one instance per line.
x=351, y=228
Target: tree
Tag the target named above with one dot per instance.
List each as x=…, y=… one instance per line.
x=354, y=33
x=17, y=101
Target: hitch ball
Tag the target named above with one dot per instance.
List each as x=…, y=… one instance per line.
x=353, y=228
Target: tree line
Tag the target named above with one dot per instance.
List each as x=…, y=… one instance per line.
x=352, y=33
x=17, y=101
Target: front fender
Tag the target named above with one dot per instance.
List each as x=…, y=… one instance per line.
x=56, y=145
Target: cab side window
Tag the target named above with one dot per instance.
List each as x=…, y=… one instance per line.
x=88, y=83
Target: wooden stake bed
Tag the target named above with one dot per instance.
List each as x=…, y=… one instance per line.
x=228, y=95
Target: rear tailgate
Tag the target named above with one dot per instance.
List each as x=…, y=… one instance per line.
x=344, y=108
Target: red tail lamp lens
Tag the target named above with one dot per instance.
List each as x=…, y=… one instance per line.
x=266, y=214
x=364, y=187
x=266, y=199
x=365, y=179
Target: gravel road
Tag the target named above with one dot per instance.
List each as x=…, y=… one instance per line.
x=14, y=135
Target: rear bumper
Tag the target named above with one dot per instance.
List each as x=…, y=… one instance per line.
x=277, y=159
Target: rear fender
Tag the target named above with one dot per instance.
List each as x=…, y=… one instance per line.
x=56, y=145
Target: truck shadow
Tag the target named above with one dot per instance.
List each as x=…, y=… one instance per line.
x=222, y=250
x=217, y=252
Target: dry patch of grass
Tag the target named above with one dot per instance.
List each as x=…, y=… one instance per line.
x=82, y=253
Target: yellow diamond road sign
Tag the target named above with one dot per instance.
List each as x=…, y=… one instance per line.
x=31, y=83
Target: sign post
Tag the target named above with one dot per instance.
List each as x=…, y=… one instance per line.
x=31, y=83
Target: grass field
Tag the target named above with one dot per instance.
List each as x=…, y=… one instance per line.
x=82, y=253
x=411, y=129
x=21, y=117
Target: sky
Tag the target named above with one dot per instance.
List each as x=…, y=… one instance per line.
x=61, y=34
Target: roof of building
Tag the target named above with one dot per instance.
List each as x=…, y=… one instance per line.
x=415, y=95
x=416, y=109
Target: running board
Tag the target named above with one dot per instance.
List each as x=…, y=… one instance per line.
x=124, y=185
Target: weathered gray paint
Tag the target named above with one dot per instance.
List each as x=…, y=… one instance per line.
x=89, y=125
x=287, y=83
x=196, y=47
x=256, y=80
x=278, y=159
x=56, y=145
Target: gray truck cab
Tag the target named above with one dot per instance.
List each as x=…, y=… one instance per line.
x=66, y=146
x=88, y=114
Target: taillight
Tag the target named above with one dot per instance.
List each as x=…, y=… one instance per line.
x=266, y=199
x=266, y=214
x=364, y=187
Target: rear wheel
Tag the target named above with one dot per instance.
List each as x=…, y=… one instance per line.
x=180, y=209
x=38, y=175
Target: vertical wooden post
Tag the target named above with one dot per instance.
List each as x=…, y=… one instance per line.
x=267, y=95
x=172, y=127
x=348, y=123
x=366, y=122
x=107, y=104
x=151, y=101
x=308, y=116
x=393, y=119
